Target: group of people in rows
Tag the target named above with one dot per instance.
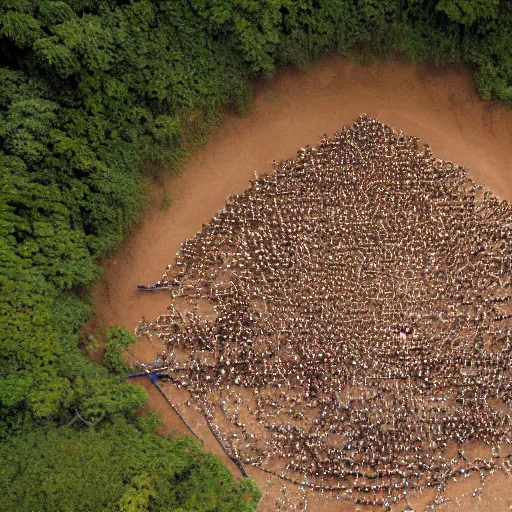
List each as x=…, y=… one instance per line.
x=346, y=322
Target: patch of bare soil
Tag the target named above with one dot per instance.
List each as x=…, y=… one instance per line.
x=439, y=105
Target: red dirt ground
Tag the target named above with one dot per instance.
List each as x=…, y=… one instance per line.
x=439, y=105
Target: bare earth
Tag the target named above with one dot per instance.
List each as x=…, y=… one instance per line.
x=439, y=105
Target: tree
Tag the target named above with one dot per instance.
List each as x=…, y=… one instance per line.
x=467, y=12
x=137, y=496
x=117, y=468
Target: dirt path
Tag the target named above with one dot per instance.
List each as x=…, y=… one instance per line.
x=438, y=105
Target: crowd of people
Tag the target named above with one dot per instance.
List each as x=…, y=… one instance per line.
x=346, y=322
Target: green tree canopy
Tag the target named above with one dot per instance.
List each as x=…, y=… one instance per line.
x=119, y=468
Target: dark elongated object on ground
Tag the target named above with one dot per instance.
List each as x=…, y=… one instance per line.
x=152, y=288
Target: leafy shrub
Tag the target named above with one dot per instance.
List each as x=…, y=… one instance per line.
x=117, y=340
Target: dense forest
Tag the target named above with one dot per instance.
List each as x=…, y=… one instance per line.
x=90, y=92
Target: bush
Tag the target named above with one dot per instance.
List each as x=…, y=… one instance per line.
x=117, y=340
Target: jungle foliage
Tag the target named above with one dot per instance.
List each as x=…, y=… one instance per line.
x=90, y=90
x=122, y=468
